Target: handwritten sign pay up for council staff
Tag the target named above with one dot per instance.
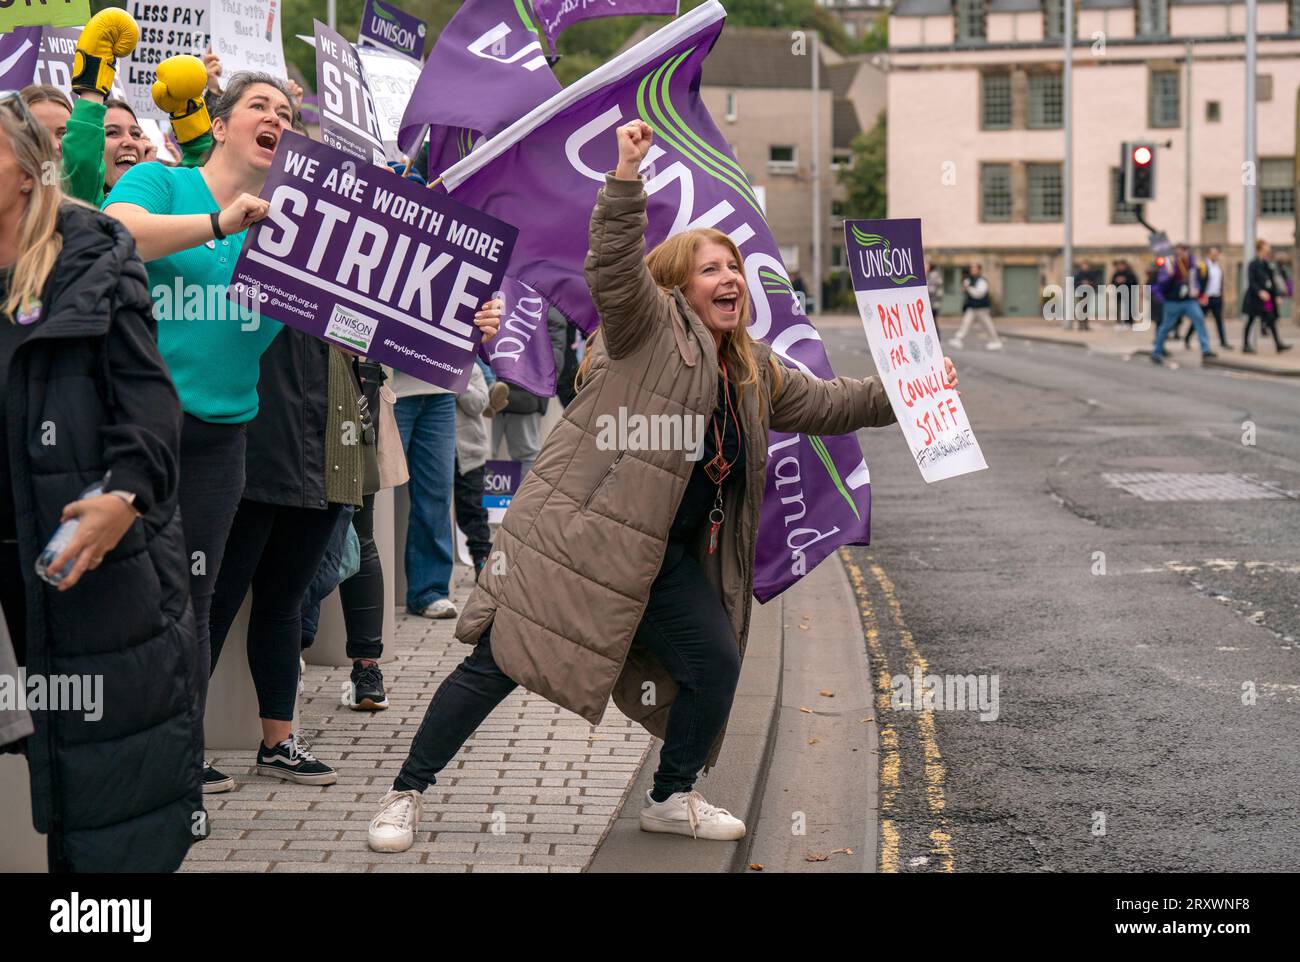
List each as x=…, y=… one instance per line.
x=360, y=257
x=888, y=267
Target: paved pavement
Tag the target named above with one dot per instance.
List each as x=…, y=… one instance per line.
x=534, y=790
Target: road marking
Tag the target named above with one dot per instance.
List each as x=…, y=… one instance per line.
x=890, y=763
x=935, y=773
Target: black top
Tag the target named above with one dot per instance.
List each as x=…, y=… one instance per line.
x=285, y=459
x=698, y=500
x=11, y=335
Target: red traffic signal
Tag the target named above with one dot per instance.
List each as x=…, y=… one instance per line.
x=1138, y=168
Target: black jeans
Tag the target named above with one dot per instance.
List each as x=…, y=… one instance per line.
x=363, y=594
x=685, y=627
x=211, y=482
x=277, y=550
x=471, y=516
x=1266, y=321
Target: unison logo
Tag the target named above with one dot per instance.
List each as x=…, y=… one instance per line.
x=878, y=258
x=385, y=24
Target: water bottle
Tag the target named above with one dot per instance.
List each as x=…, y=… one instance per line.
x=61, y=539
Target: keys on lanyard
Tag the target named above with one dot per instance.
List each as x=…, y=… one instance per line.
x=716, y=517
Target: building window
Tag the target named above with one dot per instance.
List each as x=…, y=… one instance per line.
x=1163, y=106
x=1293, y=16
x=1152, y=18
x=1213, y=112
x=1276, y=188
x=995, y=113
x=837, y=255
x=1045, y=100
x=1214, y=210
x=841, y=159
x=972, y=21
x=731, y=106
x=1044, y=188
x=790, y=256
x=995, y=192
x=781, y=159
x=837, y=209
x=1263, y=87
x=1120, y=212
x=1054, y=19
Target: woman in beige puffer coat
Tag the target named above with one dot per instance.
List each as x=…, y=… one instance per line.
x=622, y=568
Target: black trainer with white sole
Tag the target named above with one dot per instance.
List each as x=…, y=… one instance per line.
x=367, y=687
x=215, y=781
x=292, y=761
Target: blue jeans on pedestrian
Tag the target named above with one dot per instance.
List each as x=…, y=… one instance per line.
x=1173, y=312
x=427, y=423
x=488, y=374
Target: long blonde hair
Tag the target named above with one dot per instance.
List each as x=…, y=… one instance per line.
x=671, y=264
x=39, y=242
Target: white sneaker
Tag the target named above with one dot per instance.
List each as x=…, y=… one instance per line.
x=687, y=813
x=993, y=346
x=954, y=343
x=393, y=829
x=442, y=608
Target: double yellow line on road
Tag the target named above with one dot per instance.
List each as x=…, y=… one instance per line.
x=890, y=757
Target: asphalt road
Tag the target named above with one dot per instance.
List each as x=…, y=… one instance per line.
x=1146, y=653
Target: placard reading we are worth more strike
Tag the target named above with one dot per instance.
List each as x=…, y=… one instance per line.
x=888, y=267
x=356, y=255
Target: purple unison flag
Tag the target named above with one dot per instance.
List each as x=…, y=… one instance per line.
x=556, y=15
x=384, y=25
x=359, y=257
x=18, y=53
x=347, y=111
x=521, y=352
x=542, y=175
x=485, y=71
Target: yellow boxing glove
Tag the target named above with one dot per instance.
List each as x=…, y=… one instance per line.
x=109, y=34
x=179, y=92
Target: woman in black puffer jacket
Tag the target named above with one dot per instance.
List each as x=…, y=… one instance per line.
x=86, y=396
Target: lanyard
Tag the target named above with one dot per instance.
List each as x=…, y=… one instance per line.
x=718, y=468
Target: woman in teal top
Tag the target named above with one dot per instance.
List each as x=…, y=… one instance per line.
x=189, y=224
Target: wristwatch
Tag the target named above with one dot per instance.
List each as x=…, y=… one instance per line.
x=128, y=497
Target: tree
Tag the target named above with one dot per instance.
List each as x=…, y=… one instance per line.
x=864, y=178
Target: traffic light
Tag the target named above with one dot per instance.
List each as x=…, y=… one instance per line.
x=1138, y=161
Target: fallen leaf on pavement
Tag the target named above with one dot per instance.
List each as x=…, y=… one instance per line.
x=826, y=693
x=816, y=857
x=755, y=867
x=807, y=711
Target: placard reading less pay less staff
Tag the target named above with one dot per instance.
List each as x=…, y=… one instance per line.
x=355, y=255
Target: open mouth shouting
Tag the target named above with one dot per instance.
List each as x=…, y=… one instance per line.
x=125, y=159
x=726, y=304
x=267, y=140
